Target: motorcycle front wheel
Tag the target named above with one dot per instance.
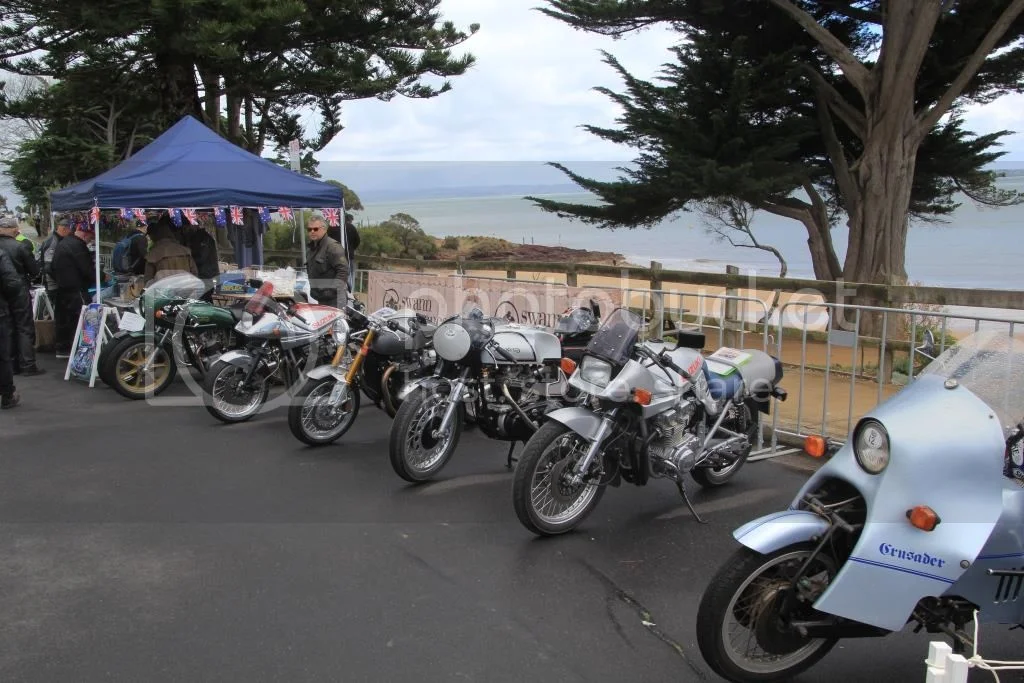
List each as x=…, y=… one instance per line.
x=544, y=501
x=416, y=453
x=741, y=634
x=316, y=423
x=225, y=396
x=138, y=367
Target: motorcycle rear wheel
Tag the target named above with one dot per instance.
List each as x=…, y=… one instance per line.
x=125, y=366
x=307, y=416
x=544, y=504
x=416, y=455
x=709, y=477
x=747, y=590
x=216, y=388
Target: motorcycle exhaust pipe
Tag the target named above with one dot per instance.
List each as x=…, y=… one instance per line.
x=389, y=405
x=522, y=413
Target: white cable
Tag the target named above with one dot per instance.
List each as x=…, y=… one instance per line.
x=992, y=665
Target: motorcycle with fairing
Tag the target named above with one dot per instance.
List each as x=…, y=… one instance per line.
x=916, y=520
x=378, y=353
x=281, y=340
x=506, y=375
x=651, y=412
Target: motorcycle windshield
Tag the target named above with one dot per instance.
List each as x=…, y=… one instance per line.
x=990, y=365
x=615, y=339
x=177, y=286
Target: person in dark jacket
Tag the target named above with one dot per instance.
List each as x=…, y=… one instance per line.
x=23, y=335
x=351, y=244
x=46, y=251
x=167, y=256
x=11, y=286
x=75, y=273
x=204, y=250
x=327, y=266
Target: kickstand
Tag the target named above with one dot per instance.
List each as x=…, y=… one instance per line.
x=511, y=447
x=686, y=499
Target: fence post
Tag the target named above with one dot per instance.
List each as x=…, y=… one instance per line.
x=570, y=276
x=657, y=299
x=730, y=313
x=510, y=273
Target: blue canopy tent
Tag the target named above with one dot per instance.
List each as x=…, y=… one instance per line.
x=191, y=166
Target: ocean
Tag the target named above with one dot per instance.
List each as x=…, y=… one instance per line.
x=977, y=248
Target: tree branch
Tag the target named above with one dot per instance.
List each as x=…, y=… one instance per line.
x=830, y=98
x=852, y=68
x=927, y=119
x=844, y=9
x=836, y=153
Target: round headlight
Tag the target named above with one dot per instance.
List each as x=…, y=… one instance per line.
x=452, y=342
x=340, y=331
x=871, y=446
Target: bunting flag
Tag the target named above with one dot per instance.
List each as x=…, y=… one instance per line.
x=285, y=213
x=264, y=215
x=140, y=214
x=219, y=217
x=191, y=215
x=236, y=215
x=125, y=213
x=332, y=217
x=175, y=216
x=94, y=214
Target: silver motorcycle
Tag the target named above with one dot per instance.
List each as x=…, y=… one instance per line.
x=651, y=412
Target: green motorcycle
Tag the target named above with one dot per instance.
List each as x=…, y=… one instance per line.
x=171, y=326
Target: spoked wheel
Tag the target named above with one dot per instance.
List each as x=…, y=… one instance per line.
x=417, y=454
x=711, y=477
x=141, y=368
x=740, y=631
x=313, y=420
x=546, y=502
x=228, y=397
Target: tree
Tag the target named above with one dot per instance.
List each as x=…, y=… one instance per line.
x=809, y=109
x=251, y=69
x=352, y=201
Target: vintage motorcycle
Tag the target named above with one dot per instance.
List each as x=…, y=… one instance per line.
x=280, y=342
x=652, y=412
x=917, y=519
x=183, y=331
x=508, y=375
x=393, y=349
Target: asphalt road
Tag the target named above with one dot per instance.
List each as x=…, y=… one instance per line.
x=151, y=543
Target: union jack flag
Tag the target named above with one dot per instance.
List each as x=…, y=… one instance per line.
x=236, y=215
x=332, y=216
x=219, y=217
x=94, y=215
x=285, y=213
x=139, y=213
x=191, y=215
x=264, y=215
x=175, y=216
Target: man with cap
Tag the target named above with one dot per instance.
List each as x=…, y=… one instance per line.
x=11, y=286
x=46, y=251
x=75, y=273
x=23, y=334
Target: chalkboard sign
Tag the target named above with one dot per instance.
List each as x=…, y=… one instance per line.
x=85, y=351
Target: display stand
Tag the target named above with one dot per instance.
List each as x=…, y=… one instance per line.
x=90, y=335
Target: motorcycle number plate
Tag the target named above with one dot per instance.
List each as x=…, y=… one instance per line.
x=132, y=322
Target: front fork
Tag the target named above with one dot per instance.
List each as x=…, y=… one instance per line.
x=583, y=465
x=454, y=399
x=339, y=394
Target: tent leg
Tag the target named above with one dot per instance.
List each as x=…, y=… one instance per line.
x=96, y=252
x=302, y=234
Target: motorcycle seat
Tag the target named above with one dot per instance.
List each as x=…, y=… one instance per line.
x=726, y=368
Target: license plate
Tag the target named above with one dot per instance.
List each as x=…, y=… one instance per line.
x=132, y=322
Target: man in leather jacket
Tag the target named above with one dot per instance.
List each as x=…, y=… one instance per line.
x=11, y=289
x=73, y=269
x=24, y=333
x=327, y=266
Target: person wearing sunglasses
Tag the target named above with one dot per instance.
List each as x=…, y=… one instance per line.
x=327, y=266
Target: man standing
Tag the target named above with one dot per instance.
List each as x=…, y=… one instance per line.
x=46, y=251
x=351, y=244
x=73, y=269
x=11, y=286
x=167, y=255
x=327, y=266
x=23, y=335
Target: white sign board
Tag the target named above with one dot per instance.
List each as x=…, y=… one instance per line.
x=293, y=155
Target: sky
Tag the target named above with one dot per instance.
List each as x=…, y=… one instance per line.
x=532, y=89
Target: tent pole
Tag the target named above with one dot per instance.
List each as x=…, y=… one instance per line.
x=302, y=234
x=96, y=243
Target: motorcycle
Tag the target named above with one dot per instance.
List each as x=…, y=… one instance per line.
x=916, y=519
x=280, y=340
x=185, y=331
x=651, y=412
x=508, y=375
x=393, y=349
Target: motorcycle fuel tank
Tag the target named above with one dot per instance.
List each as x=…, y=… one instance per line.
x=526, y=344
x=208, y=314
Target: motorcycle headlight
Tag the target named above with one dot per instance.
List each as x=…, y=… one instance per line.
x=871, y=446
x=596, y=371
x=340, y=331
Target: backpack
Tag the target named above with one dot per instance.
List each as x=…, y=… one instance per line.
x=121, y=260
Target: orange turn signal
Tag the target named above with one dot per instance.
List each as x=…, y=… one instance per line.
x=642, y=396
x=815, y=446
x=923, y=517
x=158, y=313
x=568, y=366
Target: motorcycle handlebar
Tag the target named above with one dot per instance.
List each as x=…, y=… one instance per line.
x=503, y=353
x=395, y=325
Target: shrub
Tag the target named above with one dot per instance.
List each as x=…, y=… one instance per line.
x=488, y=248
x=450, y=242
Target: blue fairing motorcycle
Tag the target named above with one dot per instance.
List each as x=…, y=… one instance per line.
x=918, y=519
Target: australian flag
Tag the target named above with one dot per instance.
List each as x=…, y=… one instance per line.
x=125, y=213
x=175, y=216
x=285, y=213
x=219, y=217
x=236, y=215
x=264, y=215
